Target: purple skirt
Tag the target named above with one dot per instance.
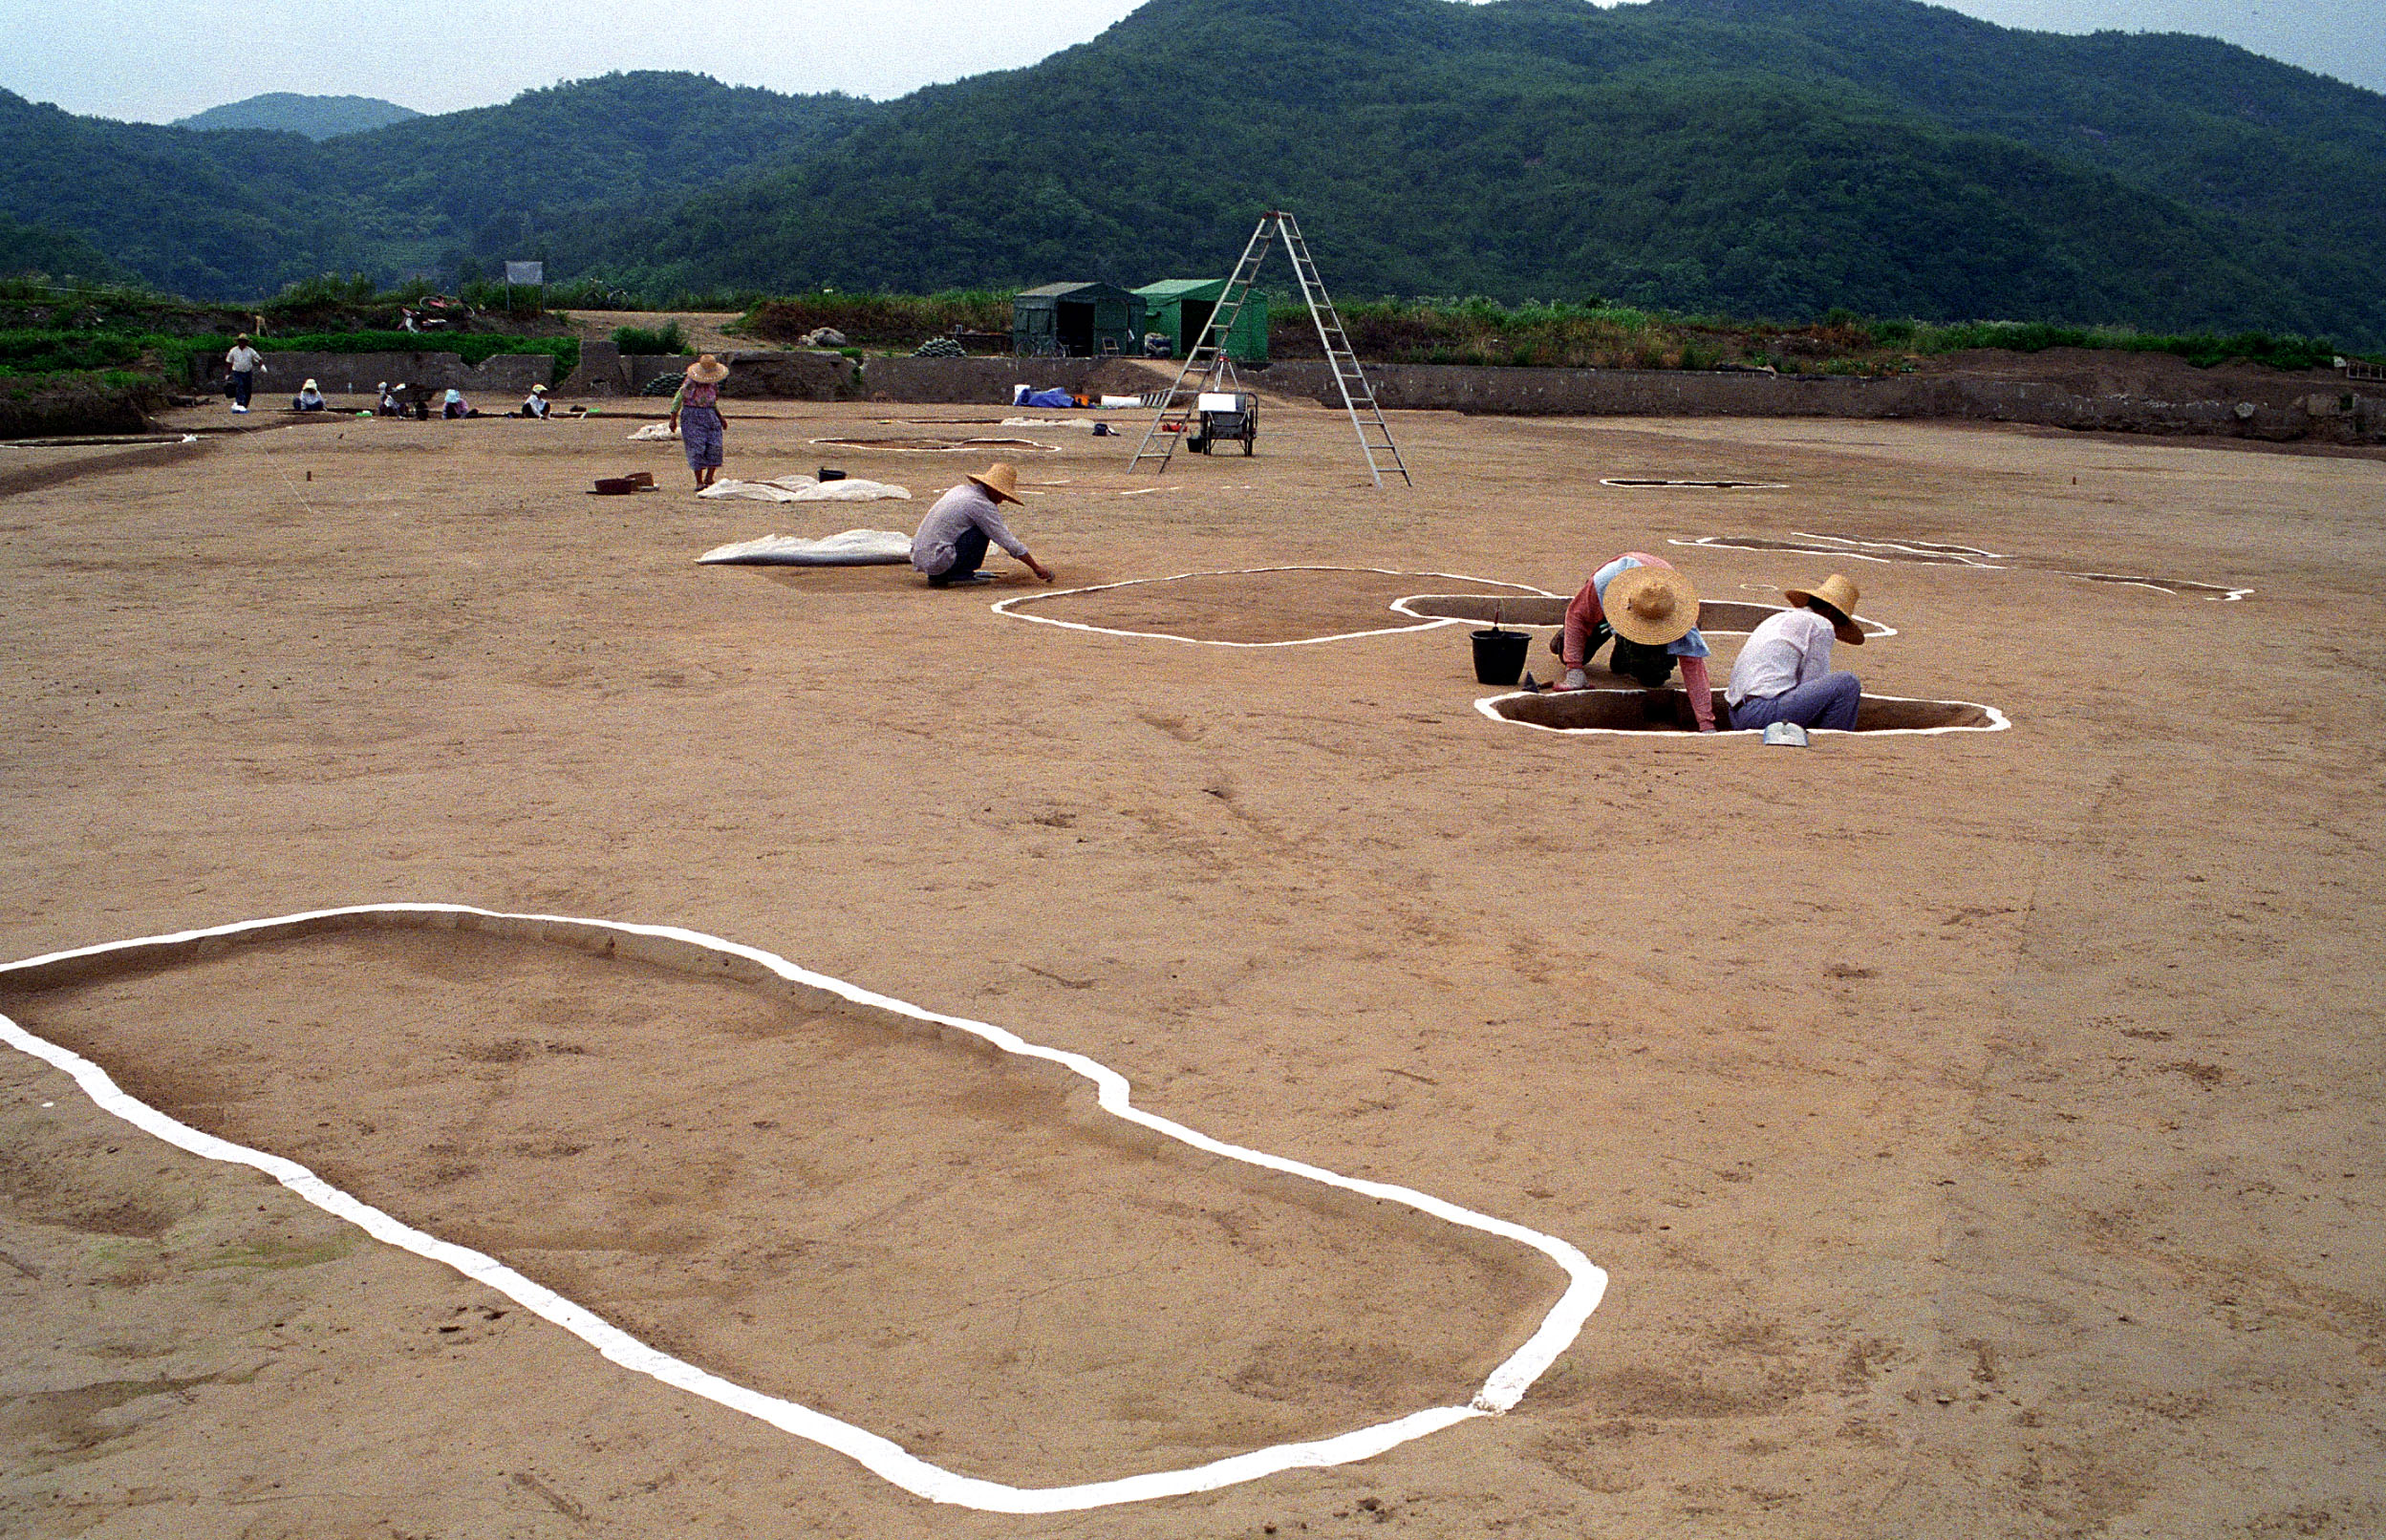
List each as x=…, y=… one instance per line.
x=701, y=433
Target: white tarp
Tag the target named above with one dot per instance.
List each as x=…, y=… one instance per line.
x=805, y=489
x=847, y=547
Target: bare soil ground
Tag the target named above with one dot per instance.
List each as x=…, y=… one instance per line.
x=1982, y=1131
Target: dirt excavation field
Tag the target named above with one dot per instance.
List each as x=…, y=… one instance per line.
x=1979, y=1130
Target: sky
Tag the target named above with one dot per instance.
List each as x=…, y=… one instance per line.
x=156, y=61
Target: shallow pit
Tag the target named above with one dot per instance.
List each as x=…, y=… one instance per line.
x=940, y=446
x=1716, y=486
x=1272, y=607
x=885, y=1219
x=1717, y=617
x=1668, y=711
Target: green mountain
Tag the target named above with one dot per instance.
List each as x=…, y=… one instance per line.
x=318, y=117
x=29, y=249
x=240, y=212
x=1757, y=157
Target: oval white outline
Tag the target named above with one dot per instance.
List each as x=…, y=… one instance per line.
x=1884, y=628
x=1002, y=606
x=1507, y=1383
x=1997, y=722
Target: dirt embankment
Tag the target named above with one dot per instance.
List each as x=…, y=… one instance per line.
x=76, y=405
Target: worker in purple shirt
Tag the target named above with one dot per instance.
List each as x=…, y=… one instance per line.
x=952, y=542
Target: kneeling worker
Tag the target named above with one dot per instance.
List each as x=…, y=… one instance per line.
x=1783, y=675
x=952, y=542
x=1652, y=612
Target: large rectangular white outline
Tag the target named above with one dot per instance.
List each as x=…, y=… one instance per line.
x=1586, y=1282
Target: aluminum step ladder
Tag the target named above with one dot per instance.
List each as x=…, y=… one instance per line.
x=1207, y=357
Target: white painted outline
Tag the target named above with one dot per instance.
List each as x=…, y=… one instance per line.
x=1634, y=483
x=1963, y=556
x=1586, y=1282
x=1879, y=628
x=953, y=447
x=2169, y=585
x=1489, y=706
x=1002, y=606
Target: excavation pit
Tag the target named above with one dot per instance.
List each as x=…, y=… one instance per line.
x=1268, y=606
x=1712, y=486
x=1717, y=617
x=852, y=1207
x=1669, y=712
x=942, y=446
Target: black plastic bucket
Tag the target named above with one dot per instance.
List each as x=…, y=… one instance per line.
x=1499, y=656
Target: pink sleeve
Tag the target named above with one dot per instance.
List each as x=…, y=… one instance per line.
x=1582, y=615
x=1702, y=694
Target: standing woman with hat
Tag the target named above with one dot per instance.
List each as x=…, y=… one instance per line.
x=1651, y=611
x=696, y=418
x=953, y=539
x=1783, y=674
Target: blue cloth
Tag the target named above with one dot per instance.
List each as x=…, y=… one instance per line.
x=1829, y=702
x=1055, y=397
x=1693, y=644
x=704, y=435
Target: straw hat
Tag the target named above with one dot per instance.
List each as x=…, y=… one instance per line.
x=708, y=369
x=538, y=390
x=1002, y=478
x=309, y=385
x=1836, y=601
x=1650, y=604
x=243, y=337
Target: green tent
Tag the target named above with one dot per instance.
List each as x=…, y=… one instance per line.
x=1181, y=307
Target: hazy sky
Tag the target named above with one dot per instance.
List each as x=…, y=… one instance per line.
x=152, y=61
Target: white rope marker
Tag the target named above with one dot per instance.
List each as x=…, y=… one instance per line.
x=1002, y=606
x=883, y=1457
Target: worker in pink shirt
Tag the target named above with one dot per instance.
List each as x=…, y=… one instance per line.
x=1651, y=611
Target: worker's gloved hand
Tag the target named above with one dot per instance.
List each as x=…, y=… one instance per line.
x=1576, y=679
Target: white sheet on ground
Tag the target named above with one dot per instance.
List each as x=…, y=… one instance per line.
x=847, y=547
x=653, y=432
x=805, y=489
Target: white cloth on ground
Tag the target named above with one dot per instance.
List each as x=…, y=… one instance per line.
x=1785, y=650
x=653, y=432
x=805, y=489
x=847, y=547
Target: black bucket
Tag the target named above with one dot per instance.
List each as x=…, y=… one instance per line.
x=1500, y=656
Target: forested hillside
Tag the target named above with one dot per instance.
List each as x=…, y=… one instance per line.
x=1759, y=156
x=240, y=212
x=1765, y=157
x=318, y=117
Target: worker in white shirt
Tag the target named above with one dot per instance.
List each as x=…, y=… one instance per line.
x=1783, y=674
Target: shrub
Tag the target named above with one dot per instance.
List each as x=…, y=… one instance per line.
x=639, y=340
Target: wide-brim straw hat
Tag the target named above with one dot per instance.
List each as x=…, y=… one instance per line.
x=310, y=385
x=1650, y=604
x=1002, y=478
x=708, y=369
x=1836, y=600
x=243, y=337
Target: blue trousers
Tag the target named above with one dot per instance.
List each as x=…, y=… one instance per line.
x=1829, y=702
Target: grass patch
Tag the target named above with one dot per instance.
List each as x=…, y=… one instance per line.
x=666, y=339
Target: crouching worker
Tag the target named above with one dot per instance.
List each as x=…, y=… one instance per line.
x=309, y=399
x=1651, y=611
x=391, y=406
x=952, y=542
x=1783, y=675
x=534, y=404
